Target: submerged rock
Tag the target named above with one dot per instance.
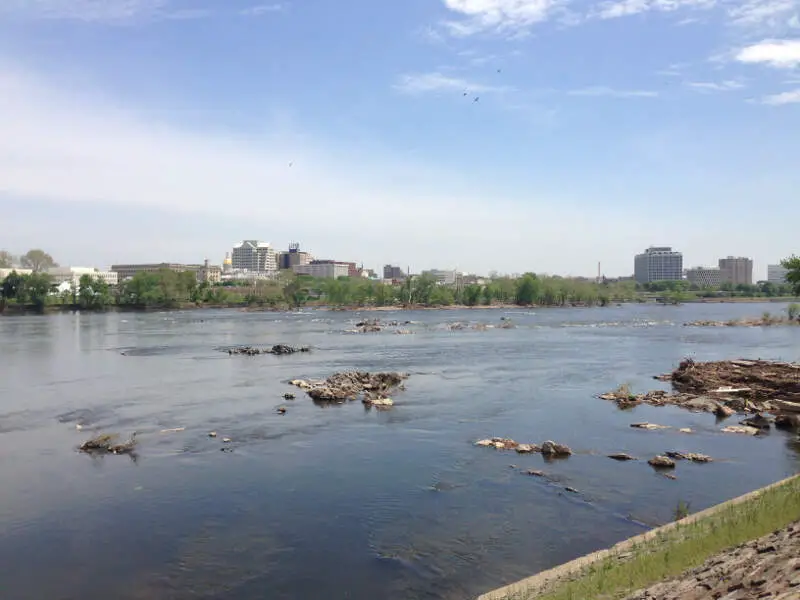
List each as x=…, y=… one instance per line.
x=743, y=429
x=278, y=349
x=649, y=426
x=787, y=421
x=758, y=421
x=691, y=456
x=621, y=456
x=379, y=402
x=661, y=462
x=107, y=444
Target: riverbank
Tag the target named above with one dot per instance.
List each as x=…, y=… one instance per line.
x=666, y=552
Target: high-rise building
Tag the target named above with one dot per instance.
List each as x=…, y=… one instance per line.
x=294, y=257
x=777, y=274
x=736, y=270
x=254, y=256
x=393, y=273
x=658, y=263
x=704, y=276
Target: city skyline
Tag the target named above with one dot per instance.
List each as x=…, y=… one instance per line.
x=451, y=129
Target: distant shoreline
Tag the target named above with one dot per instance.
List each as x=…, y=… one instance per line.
x=17, y=310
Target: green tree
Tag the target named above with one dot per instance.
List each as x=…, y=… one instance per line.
x=487, y=295
x=792, y=264
x=440, y=295
x=13, y=286
x=38, y=260
x=472, y=295
x=93, y=292
x=528, y=287
x=5, y=259
x=37, y=288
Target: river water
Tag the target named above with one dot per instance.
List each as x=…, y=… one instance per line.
x=338, y=501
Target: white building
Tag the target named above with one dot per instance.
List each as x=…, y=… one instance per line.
x=705, y=276
x=72, y=275
x=443, y=277
x=254, y=256
x=6, y=272
x=777, y=274
x=324, y=269
x=658, y=263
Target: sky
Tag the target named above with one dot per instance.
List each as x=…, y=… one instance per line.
x=506, y=135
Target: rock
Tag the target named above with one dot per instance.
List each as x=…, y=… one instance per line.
x=340, y=387
x=504, y=443
x=571, y=490
x=527, y=448
x=536, y=473
x=288, y=396
x=787, y=421
x=550, y=448
x=685, y=430
x=281, y=349
x=301, y=383
x=281, y=410
x=661, y=462
x=743, y=429
x=484, y=443
x=212, y=434
x=670, y=476
x=691, y=456
x=723, y=412
x=702, y=404
x=226, y=440
x=106, y=443
x=378, y=402
x=621, y=456
x=649, y=426
x=758, y=421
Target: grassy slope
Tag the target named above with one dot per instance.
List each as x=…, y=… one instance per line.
x=683, y=548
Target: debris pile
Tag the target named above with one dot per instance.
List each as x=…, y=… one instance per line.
x=278, y=350
x=368, y=326
x=107, y=444
x=351, y=385
x=722, y=387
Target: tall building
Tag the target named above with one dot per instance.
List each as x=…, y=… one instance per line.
x=736, y=270
x=294, y=257
x=393, y=273
x=704, y=276
x=658, y=263
x=325, y=269
x=777, y=274
x=252, y=255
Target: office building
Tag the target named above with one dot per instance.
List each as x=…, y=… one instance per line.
x=252, y=255
x=293, y=258
x=393, y=273
x=325, y=269
x=736, y=270
x=72, y=275
x=658, y=263
x=704, y=276
x=777, y=274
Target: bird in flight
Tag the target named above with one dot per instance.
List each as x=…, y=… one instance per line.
x=476, y=98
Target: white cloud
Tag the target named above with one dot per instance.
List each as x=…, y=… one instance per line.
x=261, y=9
x=764, y=14
x=612, y=93
x=780, y=54
x=421, y=83
x=792, y=97
x=728, y=85
x=498, y=15
x=623, y=8
x=84, y=10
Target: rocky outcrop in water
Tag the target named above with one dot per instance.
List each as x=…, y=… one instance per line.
x=352, y=385
x=107, y=444
x=277, y=350
x=548, y=448
x=661, y=462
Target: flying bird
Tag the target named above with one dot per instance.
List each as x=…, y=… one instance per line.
x=476, y=98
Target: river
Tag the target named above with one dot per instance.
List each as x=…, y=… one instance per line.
x=339, y=501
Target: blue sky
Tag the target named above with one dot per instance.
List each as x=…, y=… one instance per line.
x=144, y=130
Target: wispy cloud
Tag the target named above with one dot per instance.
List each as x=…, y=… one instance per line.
x=780, y=54
x=261, y=9
x=84, y=10
x=792, y=97
x=613, y=9
x=728, y=85
x=603, y=91
x=764, y=15
x=422, y=83
x=509, y=16
x=673, y=70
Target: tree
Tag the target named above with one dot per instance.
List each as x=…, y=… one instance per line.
x=37, y=288
x=472, y=295
x=13, y=286
x=792, y=264
x=5, y=259
x=93, y=292
x=38, y=260
x=528, y=288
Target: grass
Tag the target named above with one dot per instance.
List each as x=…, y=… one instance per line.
x=681, y=548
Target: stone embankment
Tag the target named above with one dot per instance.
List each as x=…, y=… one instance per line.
x=767, y=568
